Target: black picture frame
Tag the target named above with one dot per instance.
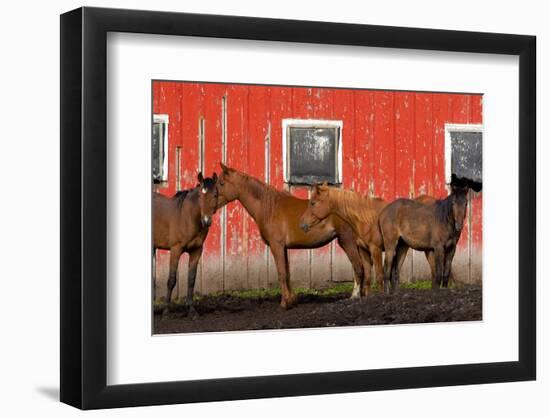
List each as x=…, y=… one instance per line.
x=84, y=207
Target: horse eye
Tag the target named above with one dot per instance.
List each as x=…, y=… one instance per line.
x=313, y=203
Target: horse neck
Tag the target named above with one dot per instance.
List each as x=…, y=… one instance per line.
x=446, y=214
x=339, y=208
x=189, y=208
x=250, y=201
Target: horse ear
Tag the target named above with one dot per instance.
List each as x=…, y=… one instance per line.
x=224, y=167
x=215, y=177
x=200, y=178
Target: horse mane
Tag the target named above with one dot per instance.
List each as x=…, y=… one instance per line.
x=353, y=205
x=444, y=209
x=268, y=195
x=180, y=196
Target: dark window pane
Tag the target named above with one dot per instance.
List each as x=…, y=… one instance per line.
x=312, y=152
x=157, y=151
x=466, y=160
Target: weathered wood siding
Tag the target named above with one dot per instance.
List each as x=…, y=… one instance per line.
x=393, y=146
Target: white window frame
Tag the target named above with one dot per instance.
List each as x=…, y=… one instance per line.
x=164, y=119
x=451, y=128
x=312, y=123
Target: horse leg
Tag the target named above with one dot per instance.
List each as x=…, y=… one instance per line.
x=350, y=248
x=194, y=258
x=293, y=298
x=367, y=271
x=154, y=275
x=388, y=266
x=400, y=256
x=439, y=255
x=175, y=253
x=430, y=257
x=281, y=261
x=449, y=255
x=390, y=237
x=376, y=254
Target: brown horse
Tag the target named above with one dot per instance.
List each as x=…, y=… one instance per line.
x=361, y=213
x=277, y=215
x=181, y=224
x=426, y=199
x=434, y=227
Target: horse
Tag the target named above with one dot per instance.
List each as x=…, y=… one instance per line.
x=181, y=224
x=361, y=213
x=277, y=215
x=430, y=227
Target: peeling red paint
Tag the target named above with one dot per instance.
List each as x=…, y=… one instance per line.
x=393, y=146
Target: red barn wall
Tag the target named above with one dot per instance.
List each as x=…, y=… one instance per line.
x=393, y=146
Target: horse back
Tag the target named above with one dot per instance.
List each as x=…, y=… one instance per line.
x=175, y=221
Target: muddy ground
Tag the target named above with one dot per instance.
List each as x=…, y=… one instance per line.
x=230, y=312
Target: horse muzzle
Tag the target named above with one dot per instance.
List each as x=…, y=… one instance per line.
x=206, y=221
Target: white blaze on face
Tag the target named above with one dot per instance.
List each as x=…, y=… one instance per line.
x=204, y=190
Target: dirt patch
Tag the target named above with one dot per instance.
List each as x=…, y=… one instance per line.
x=228, y=312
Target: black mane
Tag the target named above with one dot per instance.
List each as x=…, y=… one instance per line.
x=209, y=184
x=444, y=209
x=181, y=195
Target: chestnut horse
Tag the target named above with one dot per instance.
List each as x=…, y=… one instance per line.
x=181, y=224
x=361, y=213
x=434, y=227
x=277, y=215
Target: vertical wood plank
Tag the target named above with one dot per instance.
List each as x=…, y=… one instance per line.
x=440, y=117
x=211, y=279
x=280, y=104
x=322, y=103
x=187, y=132
x=236, y=274
x=304, y=101
x=404, y=160
x=423, y=166
x=459, y=113
x=364, y=141
x=461, y=263
x=423, y=144
x=404, y=145
x=476, y=108
x=258, y=126
x=384, y=145
x=476, y=242
x=343, y=109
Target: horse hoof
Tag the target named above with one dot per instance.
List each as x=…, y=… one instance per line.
x=293, y=300
x=192, y=313
x=165, y=313
x=289, y=303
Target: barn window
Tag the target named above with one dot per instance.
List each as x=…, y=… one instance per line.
x=312, y=151
x=160, y=148
x=463, y=152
